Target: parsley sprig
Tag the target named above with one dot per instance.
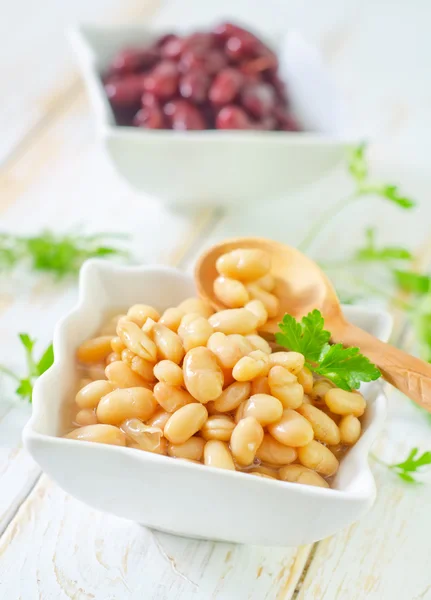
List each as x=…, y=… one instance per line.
x=364, y=186
x=346, y=367
x=60, y=255
x=412, y=464
x=35, y=367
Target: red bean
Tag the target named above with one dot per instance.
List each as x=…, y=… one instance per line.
x=215, y=61
x=184, y=116
x=125, y=92
x=131, y=60
x=241, y=45
x=173, y=47
x=149, y=100
x=194, y=86
x=233, y=117
x=258, y=99
x=200, y=41
x=225, y=86
x=225, y=30
x=150, y=118
x=286, y=120
x=163, y=80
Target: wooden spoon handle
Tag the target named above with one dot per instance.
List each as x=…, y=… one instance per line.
x=410, y=375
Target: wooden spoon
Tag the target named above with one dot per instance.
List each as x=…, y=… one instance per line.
x=301, y=286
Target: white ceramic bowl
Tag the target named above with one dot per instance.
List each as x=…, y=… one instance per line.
x=179, y=497
x=221, y=167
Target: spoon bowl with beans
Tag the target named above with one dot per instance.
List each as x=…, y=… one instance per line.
x=237, y=271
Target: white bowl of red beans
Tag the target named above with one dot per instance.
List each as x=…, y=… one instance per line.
x=198, y=486
x=221, y=116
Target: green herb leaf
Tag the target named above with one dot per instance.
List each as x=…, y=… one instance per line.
x=415, y=283
x=390, y=192
x=25, y=389
x=369, y=252
x=61, y=255
x=357, y=163
x=26, y=341
x=412, y=464
x=46, y=360
x=35, y=369
x=346, y=367
x=307, y=337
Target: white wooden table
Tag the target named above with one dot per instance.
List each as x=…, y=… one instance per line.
x=54, y=174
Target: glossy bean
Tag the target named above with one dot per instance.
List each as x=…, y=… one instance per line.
x=264, y=408
x=143, y=367
x=218, y=427
x=234, y=320
x=94, y=350
x=139, y=313
x=136, y=340
x=122, y=404
x=168, y=343
x=230, y=292
x=269, y=301
x=267, y=282
x=232, y=396
x=292, y=361
x=121, y=375
x=203, y=377
x=305, y=378
x=260, y=385
x=300, y=474
x=169, y=372
x=103, y=434
x=350, y=430
x=244, y=264
x=292, y=429
x=85, y=416
x=259, y=310
x=195, y=333
x=325, y=430
x=284, y=386
x=185, y=422
x=258, y=343
x=116, y=344
x=159, y=419
x=320, y=387
x=196, y=305
x=171, y=398
x=192, y=449
x=256, y=364
x=343, y=403
x=89, y=396
x=217, y=454
x=245, y=440
x=228, y=349
x=172, y=318
x=272, y=452
x=318, y=457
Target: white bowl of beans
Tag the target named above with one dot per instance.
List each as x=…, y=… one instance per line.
x=150, y=413
x=281, y=125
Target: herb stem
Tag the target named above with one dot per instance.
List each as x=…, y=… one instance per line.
x=8, y=372
x=325, y=218
x=378, y=460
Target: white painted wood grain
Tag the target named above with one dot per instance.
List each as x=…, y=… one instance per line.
x=72, y=551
